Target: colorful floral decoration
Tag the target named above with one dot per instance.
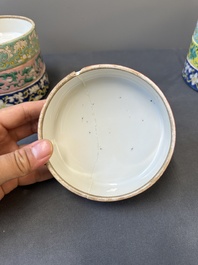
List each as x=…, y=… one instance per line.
x=190, y=75
x=36, y=91
x=193, y=54
x=19, y=51
x=190, y=70
x=20, y=76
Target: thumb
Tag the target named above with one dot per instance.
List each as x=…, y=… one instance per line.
x=25, y=160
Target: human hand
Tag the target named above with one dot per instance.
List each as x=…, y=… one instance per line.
x=21, y=165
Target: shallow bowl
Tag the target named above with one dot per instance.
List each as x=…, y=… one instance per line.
x=112, y=130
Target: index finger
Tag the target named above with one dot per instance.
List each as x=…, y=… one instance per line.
x=15, y=116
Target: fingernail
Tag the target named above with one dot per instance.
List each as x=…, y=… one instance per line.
x=41, y=149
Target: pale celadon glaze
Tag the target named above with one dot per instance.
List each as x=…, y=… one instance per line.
x=112, y=130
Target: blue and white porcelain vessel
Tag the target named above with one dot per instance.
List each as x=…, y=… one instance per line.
x=190, y=75
x=190, y=71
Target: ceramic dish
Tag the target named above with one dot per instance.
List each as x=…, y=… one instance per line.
x=112, y=130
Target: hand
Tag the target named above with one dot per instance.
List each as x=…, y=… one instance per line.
x=21, y=165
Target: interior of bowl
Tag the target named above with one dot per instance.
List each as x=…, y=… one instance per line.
x=13, y=27
x=112, y=132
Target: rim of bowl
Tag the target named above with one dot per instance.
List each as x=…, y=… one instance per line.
x=20, y=18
